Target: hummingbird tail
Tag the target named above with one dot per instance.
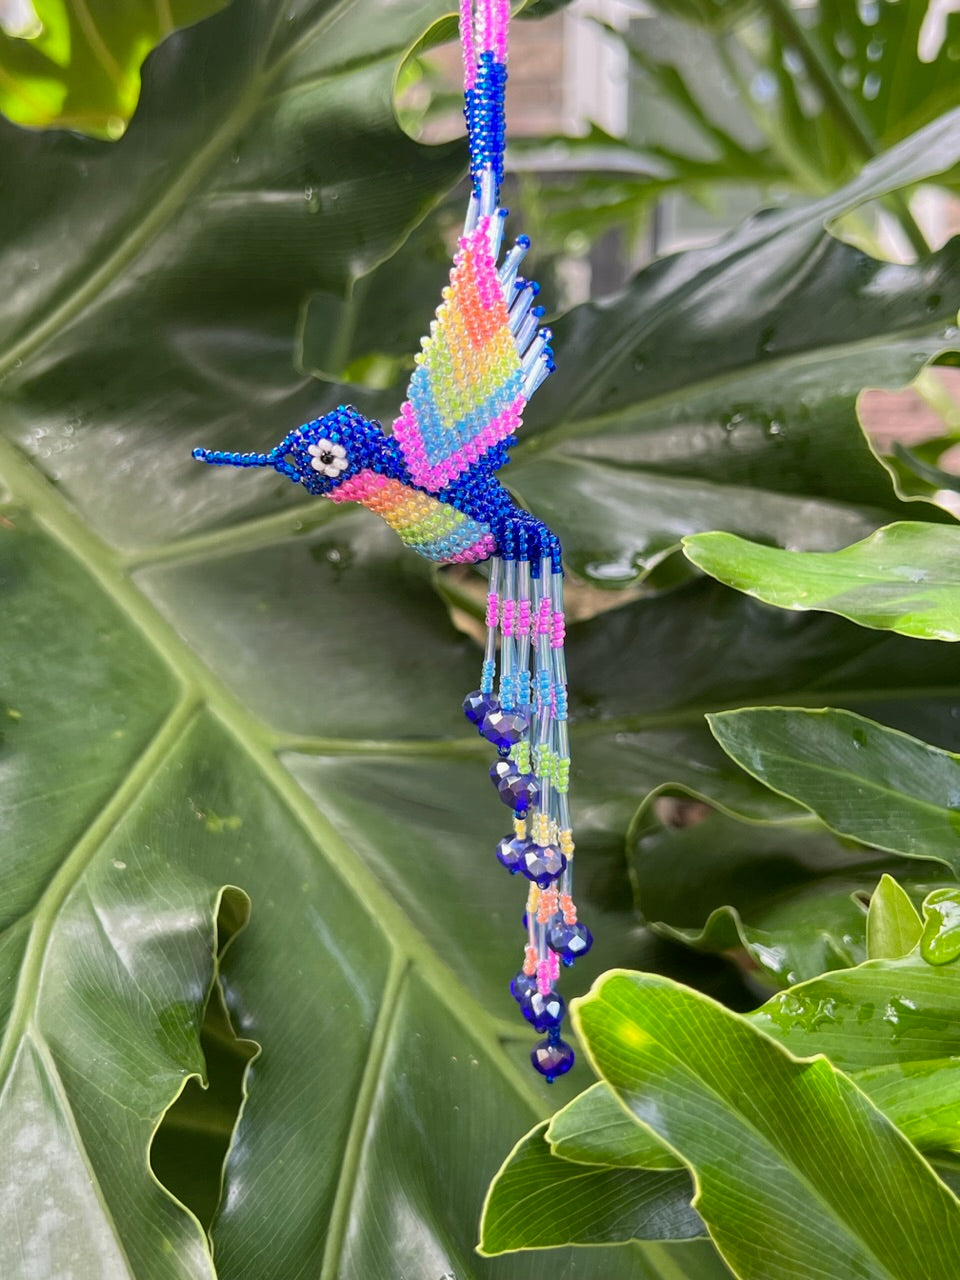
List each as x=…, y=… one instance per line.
x=526, y=720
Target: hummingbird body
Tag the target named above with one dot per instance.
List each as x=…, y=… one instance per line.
x=346, y=457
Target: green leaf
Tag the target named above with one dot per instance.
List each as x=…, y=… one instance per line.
x=595, y=1129
x=779, y=1149
x=874, y=784
x=77, y=65
x=288, y=176
x=826, y=89
x=893, y=925
x=538, y=1201
x=940, y=940
x=786, y=901
x=903, y=578
x=894, y=1025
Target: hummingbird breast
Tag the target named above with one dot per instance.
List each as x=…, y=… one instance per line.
x=432, y=528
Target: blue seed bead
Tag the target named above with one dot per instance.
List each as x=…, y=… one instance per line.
x=545, y=1012
x=510, y=853
x=477, y=705
x=552, y=1058
x=542, y=864
x=522, y=985
x=570, y=941
x=503, y=728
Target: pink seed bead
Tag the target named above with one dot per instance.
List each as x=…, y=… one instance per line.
x=544, y=985
x=493, y=606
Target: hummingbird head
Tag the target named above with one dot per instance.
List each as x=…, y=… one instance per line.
x=319, y=455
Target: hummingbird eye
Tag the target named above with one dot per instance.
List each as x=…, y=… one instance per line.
x=328, y=458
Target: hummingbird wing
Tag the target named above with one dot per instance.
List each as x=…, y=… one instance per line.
x=482, y=361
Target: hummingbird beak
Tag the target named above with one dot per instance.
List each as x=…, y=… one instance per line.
x=218, y=459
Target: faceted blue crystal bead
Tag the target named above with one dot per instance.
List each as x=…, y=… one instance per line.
x=523, y=985
x=542, y=863
x=476, y=705
x=545, y=1012
x=552, y=1058
x=570, y=941
x=520, y=791
x=511, y=852
x=501, y=769
x=503, y=728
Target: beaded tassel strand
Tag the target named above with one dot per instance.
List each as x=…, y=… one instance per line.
x=527, y=723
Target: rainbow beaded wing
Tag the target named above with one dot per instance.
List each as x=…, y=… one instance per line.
x=482, y=361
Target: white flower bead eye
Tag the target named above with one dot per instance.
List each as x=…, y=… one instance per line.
x=328, y=458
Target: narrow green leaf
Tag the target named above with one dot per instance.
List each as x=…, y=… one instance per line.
x=905, y=577
x=595, y=1129
x=796, y=1170
x=538, y=1201
x=877, y=785
x=893, y=925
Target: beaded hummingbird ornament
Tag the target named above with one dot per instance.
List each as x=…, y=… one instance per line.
x=434, y=481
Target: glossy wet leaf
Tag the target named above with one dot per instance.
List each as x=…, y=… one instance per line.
x=142, y=781
x=77, y=65
x=894, y=1026
x=538, y=1200
x=893, y=924
x=904, y=578
x=779, y=1149
x=788, y=902
x=595, y=1129
x=862, y=779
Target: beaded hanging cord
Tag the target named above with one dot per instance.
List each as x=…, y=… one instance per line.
x=434, y=482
